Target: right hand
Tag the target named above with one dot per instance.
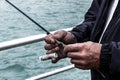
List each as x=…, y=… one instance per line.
x=53, y=47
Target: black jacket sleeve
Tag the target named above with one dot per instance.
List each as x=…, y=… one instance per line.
x=110, y=52
x=82, y=32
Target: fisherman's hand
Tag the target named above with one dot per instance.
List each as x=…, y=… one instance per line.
x=84, y=55
x=53, y=47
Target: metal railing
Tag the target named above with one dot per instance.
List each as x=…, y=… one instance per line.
x=29, y=40
x=24, y=41
x=47, y=74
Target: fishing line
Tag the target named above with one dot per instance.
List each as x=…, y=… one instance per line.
x=28, y=17
x=60, y=44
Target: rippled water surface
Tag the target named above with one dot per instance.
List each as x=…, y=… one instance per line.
x=22, y=62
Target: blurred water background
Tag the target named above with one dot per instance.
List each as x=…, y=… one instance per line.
x=22, y=62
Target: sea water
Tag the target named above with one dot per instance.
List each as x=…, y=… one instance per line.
x=23, y=62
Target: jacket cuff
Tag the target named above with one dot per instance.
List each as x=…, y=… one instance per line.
x=105, y=57
x=77, y=36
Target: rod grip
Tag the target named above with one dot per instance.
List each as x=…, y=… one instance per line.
x=48, y=56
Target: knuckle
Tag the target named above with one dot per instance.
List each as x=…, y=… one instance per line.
x=57, y=49
x=47, y=41
x=77, y=66
x=67, y=48
x=46, y=38
x=47, y=47
x=50, y=51
x=69, y=55
x=84, y=63
x=84, y=56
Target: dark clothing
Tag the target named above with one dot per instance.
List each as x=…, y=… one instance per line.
x=91, y=30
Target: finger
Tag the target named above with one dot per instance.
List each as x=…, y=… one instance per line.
x=79, y=62
x=49, y=46
x=53, y=50
x=76, y=55
x=73, y=48
x=81, y=67
x=55, y=60
x=59, y=35
x=50, y=39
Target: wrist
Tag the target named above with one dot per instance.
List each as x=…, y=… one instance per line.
x=70, y=38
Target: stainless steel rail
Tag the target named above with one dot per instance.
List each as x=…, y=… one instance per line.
x=47, y=74
x=23, y=41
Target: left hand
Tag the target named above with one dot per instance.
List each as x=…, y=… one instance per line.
x=52, y=45
x=84, y=55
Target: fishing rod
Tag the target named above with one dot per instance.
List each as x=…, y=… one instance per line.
x=44, y=57
x=49, y=56
x=28, y=17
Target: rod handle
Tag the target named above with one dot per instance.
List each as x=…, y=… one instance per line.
x=48, y=57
